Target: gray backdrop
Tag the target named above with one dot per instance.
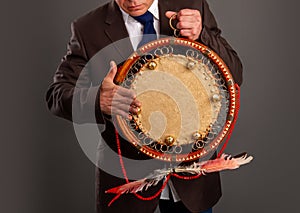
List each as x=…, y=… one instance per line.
x=42, y=166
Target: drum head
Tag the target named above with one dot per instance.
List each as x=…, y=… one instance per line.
x=188, y=99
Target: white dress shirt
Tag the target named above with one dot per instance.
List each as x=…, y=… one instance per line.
x=135, y=29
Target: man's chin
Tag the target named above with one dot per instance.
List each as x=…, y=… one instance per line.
x=137, y=11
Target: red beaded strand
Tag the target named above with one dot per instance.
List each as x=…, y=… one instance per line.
x=227, y=139
x=237, y=108
x=126, y=178
x=174, y=174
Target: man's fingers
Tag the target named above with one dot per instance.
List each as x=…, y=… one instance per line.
x=124, y=110
x=185, y=25
x=187, y=33
x=112, y=72
x=122, y=100
x=188, y=12
x=125, y=92
x=189, y=22
x=125, y=100
x=190, y=19
x=134, y=110
x=184, y=13
x=115, y=99
x=136, y=103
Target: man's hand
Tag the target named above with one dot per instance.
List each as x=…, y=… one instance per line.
x=189, y=22
x=117, y=100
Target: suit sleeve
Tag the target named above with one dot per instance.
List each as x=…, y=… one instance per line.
x=71, y=95
x=211, y=37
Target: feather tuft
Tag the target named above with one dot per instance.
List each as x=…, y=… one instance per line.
x=225, y=162
x=136, y=186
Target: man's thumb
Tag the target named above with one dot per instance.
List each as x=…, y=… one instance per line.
x=169, y=14
x=113, y=71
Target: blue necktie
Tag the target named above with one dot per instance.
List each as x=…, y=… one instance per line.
x=149, y=32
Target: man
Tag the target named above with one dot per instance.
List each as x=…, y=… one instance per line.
x=93, y=101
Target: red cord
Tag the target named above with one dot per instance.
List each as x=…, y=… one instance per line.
x=174, y=174
x=186, y=177
x=126, y=178
x=227, y=139
x=237, y=108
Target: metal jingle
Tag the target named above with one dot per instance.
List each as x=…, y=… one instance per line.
x=200, y=144
x=141, y=136
x=197, y=136
x=147, y=141
x=178, y=149
x=164, y=148
x=216, y=98
x=139, y=110
x=176, y=33
x=174, y=16
x=190, y=65
x=157, y=147
x=169, y=140
x=152, y=65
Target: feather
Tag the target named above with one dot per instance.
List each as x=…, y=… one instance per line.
x=136, y=186
x=225, y=162
x=132, y=186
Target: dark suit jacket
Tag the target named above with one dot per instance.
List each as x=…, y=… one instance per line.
x=74, y=95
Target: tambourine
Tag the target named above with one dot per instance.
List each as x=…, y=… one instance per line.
x=188, y=99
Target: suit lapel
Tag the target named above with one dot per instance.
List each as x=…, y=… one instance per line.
x=116, y=30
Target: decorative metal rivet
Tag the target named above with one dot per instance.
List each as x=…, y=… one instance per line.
x=197, y=136
x=139, y=110
x=216, y=97
x=152, y=65
x=190, y=65
x=169, y=140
